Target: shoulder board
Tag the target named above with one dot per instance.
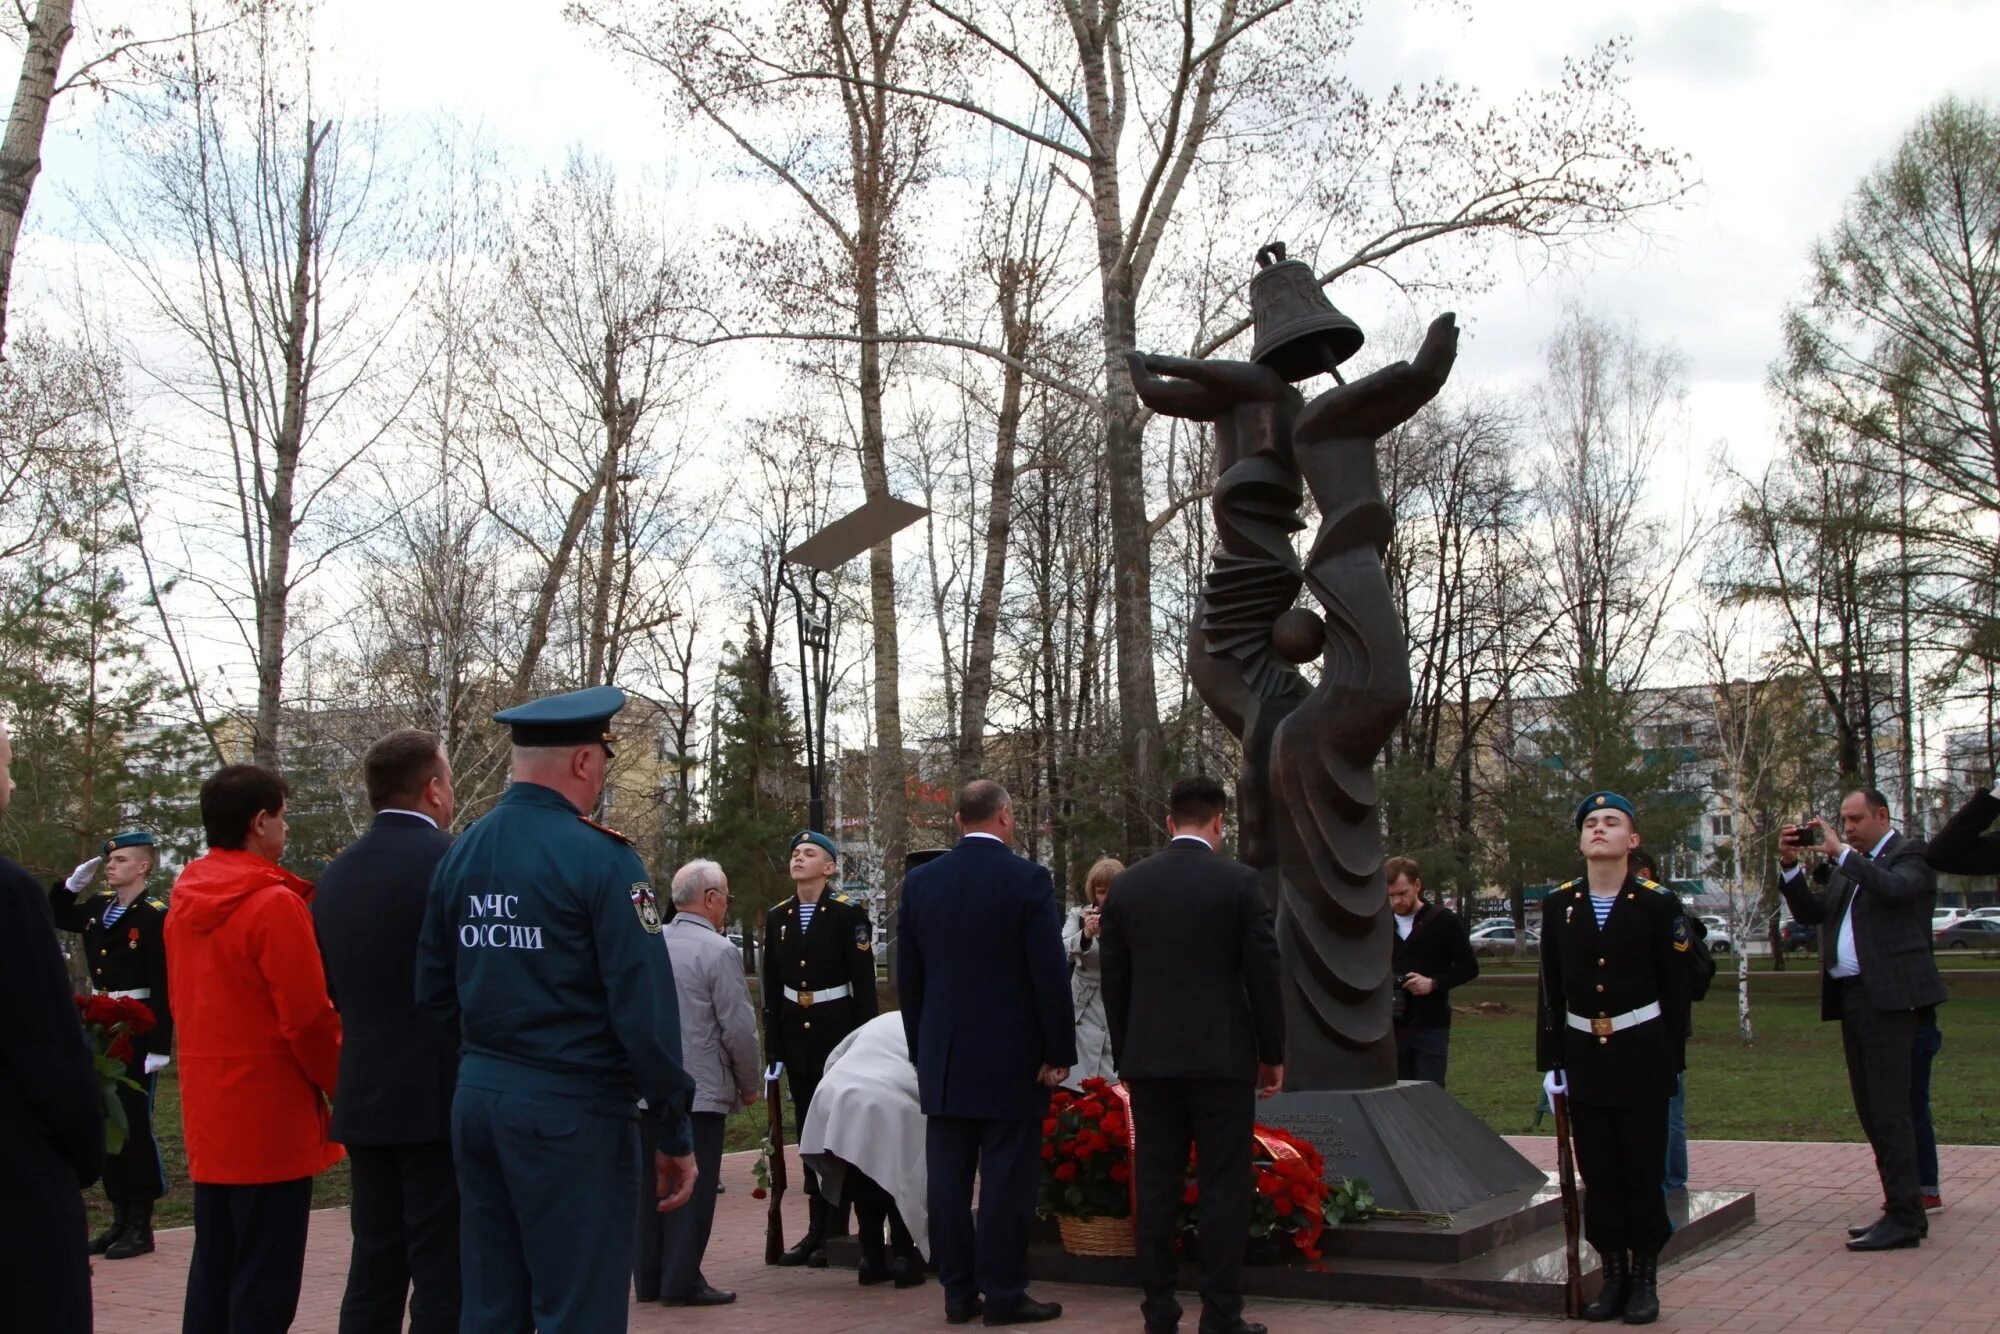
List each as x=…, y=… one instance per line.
x=841, y=896
x=604, y=829
x=1570, y=884
x=155, y=904
x=1651, y=884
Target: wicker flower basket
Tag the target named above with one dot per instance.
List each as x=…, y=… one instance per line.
x=1097, y=1236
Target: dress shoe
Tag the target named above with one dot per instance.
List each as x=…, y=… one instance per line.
x=964, y=1315
x=1642, y=1304
x=702, y=1296
x=809, y=1247
x=1887, y=1235
x=1240, y=1327
x=869, y=1275
x=908, y=1271
x=1027, y=1311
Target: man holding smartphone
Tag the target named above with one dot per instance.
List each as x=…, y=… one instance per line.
x=1873, y=909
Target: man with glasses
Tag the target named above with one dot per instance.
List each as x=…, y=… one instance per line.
x=719, y=1052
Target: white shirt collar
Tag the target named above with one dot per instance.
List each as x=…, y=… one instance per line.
x=1192, y=838
x=1876, y=851
x=398, y=810
x=981, y=833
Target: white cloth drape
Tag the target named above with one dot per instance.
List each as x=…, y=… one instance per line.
x=866, y=1112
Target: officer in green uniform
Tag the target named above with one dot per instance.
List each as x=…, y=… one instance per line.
x=541, y=944
x=819, y=986
x=1611, y=1033
x=127, y=956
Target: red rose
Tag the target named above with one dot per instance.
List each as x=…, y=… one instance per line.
x=1191, y=1194
x=1121, y=1173
x=1095, y=1084
x=1268, y=1184
x=1048, y=1152
x=1281, y=1204
x=758, y=1192
x=1301, y=1194
x=1065, y=1171
x=120, y=1048
x=1113, y=1124
x=136, y=1015
x=1049, y=1126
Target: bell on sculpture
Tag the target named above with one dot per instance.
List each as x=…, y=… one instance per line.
x=1299, y=332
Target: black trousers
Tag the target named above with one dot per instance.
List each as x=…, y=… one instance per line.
x=874, y=1208
x=1622, y=1154
x=992, y=1257
x=135, y=1174
x=44, y=1246
x=1216, y=1117
x=666, y=1259
x=405, y=1224
x=1880, y=1046
x=249, y=1256
x=1422, y=1053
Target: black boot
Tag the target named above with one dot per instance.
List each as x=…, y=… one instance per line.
x=101, y=1243
x=874, y=1254
x=138, y=1236
x=1643, y=1306
x=813, y=1243
x=1610, y=1303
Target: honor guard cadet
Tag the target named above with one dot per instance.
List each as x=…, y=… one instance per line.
x=819, y=986
x=1612, y=1034
x=541, y=943
x=122, y=943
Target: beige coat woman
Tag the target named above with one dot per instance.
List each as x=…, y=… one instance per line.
x=1086, y=980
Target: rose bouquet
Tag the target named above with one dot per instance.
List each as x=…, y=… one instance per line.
x=111, y=1023
x=1086, y=1164
x=1287, y=1208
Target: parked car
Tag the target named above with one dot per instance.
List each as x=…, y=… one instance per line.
x=1486, y=922
x=1797, y=936
x=1720, y=941
x=1945, y=917
x=1500, y=939
x=1970, y=933
x=1985, y=912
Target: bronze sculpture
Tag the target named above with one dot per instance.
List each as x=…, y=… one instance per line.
x=1307, y=802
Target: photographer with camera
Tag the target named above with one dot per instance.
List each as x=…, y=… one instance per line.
x=1873, y=909
x=1431, y=955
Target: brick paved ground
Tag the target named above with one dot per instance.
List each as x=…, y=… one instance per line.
x=1787, y=1272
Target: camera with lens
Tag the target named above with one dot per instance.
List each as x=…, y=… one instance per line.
x=1810, y=834
x=1399, y=1003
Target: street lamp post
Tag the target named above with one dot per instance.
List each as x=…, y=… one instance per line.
x=825, y=551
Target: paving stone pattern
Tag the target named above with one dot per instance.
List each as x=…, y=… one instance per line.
x=1787, y=1272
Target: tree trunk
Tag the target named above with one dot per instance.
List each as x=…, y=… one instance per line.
x=885, y=781
x=618, y=426
x=279, y=522
x=48, y=33
x=999, y=524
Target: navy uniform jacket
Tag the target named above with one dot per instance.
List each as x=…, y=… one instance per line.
x=541, y=944
x=984, y=982
x=1638, y=959
x=50, y=1104
x=129, y=955
x=839, y=948
x=398, y=1066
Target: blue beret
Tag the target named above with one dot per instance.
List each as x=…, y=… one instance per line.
x=573, y=719
x=131, y=838
x=1604, y=801
x=818, y=840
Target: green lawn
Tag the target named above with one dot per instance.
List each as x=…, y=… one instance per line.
x=1791, y=1085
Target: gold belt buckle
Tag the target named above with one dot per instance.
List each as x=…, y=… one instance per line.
x=805, y=1000
x=1601, y=1027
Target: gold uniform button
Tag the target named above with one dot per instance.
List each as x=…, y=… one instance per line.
x=1604, y=1042
x=1600, y=986
x=809, y=1023
x=1600, y=963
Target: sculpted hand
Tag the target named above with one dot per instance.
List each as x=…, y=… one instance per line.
x=673, y=1180
x=1555, y=1085
x=1270, y=1079
x=156, y=1063
x=79, y=879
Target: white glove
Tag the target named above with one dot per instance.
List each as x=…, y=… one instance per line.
x=1554, y=1084
x=773, y=1070
x=80, y=878
x=156, y=1063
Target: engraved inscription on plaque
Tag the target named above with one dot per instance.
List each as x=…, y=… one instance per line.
x=1322, y=1130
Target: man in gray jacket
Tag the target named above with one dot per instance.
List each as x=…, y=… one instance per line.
x=719, y=1051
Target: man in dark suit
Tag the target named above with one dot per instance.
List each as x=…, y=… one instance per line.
x=1197, y=1022
x=986, y=1009
x=398, y=1066
x=51, y=1112
x=1966, y=845
x=1877, y=974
